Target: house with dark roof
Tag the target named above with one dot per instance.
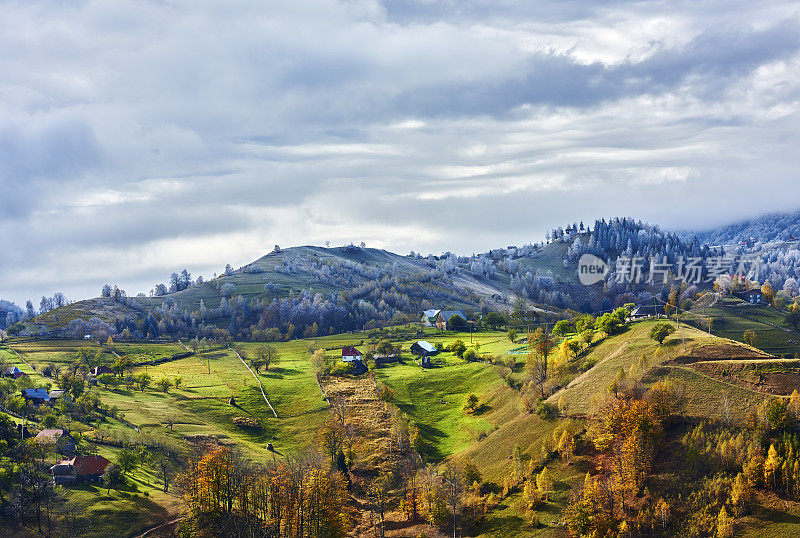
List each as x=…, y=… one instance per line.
x=429, y=317
x=351, y=354
x=102, y=369
x=36, y=396
x=444, y=318
x=753, y=296
x=14, y=372
x=647, y=311
x=79, y=469
x=425, y=350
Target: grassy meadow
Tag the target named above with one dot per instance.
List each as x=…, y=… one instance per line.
x=433, y=399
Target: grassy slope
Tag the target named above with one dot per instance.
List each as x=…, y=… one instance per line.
x=706, y=396
x=621, y=353
x=200, y=406
x=732, y=317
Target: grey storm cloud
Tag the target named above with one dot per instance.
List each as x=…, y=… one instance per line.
x=137, y=138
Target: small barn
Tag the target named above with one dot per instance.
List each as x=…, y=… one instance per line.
x=79, y=469
x=647, y=311
x=351, y=354
x=14, y=372
x=60, y=439
x=102, y=369
x=425, y=350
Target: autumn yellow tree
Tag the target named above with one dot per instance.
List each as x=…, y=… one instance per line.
x=768, y=293
x=724, y=524
x=544, y=483
x=772, y=466
x=740, y=494
x=794, y=403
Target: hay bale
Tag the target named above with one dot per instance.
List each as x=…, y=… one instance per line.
x=246, y=422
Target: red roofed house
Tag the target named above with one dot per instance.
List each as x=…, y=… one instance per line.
x=79, y=469
x=351, y=354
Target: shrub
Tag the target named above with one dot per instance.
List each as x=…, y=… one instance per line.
x=546, y=411
x=471, y=473
x=164, y=384
x=342, y=368
x=458, y=348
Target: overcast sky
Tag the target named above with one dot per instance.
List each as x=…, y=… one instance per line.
x=137, y=138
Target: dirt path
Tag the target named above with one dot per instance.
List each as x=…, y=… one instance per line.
x=14, y=351
x=187, y=348
x=161, y=526
x=260, y=386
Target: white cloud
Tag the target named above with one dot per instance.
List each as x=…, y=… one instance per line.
x=140, y=137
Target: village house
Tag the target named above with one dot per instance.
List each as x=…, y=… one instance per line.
x=425, y=350
x=55, y=394
x=79, y=469
x=14, y=372
x=102, y=369
x=351, y=354
x=61, y=439
x=429, y=317
x=36, y=396
x=753, y=296
x=647, y=311
x=443, y=319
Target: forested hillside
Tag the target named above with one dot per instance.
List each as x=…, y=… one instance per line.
x=308, y=290
x=773, y=227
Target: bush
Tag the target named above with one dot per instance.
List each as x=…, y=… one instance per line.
x=470, y=355
x=386, y=394
x=562, y=327
x=342, y=368
x=458, y=347
x=546, y=411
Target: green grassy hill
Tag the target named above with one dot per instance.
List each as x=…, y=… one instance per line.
x=634, y=357
x=732, y=317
